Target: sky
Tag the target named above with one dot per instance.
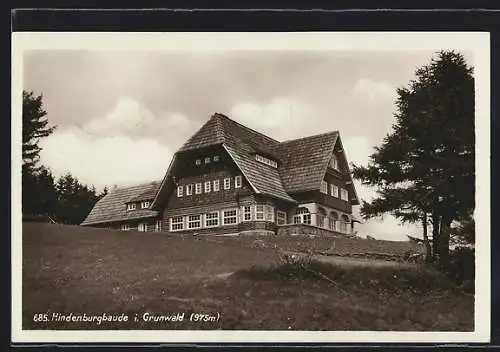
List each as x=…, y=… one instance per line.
x=120, y=115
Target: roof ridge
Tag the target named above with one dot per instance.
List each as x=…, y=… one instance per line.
x=142, y=184
x=218, y=114
x=311, y=136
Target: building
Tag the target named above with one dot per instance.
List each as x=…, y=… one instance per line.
x=228, y=178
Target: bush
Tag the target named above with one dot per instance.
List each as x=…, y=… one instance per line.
x=462, y=265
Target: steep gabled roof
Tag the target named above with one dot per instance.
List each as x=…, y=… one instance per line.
x=241, y=144
x=304, y=161
x=149, y=194
x=112, y=207
x=211, y=133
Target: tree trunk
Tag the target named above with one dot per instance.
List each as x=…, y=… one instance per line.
x=444, y=242
x=428, y=249
x=435, y=236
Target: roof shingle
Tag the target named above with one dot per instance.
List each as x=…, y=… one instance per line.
x=304, y=161
x=112, y=207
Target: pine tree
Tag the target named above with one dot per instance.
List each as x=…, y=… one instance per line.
x=35, y=126
x=425, y=166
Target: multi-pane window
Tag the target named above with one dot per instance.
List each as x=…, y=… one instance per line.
x=198, y=161
x=324, y=187
x=207, y=160
x=177, y=223
x=334, y=190
x=144, y=205
x=198, y=188
x=266, y=161
x=158, y=226
x=302, y=216
x=125, y=227
x=229, y=217
x=194, y=221
x=189, y=190
x=269, y=213
x=227, y=183
x=216, y=185
x=212, y=219
x=344, y=195
x=142, y=227
x=247, y=213
x=207, y=186
x=180, y=190
x=259, y=212
x=131, y=206
x=216, y=158
x=281, y=217
x=237, y=182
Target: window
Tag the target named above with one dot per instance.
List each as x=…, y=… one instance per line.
x=302, y=216
x=216, y=158
x=207, y=186
x=334, y=162
x=142, y=227
x=227, y=183
x=266, y=161
x=144, y=205
x=194, y=221
x=212, y=219
x=198, y=162
x=125, y=227
x=334, y=190
x=281, y=217
x=237, y=182
x=344, y=195
x=216, y=186
x=229, y=217
x=158, y=226
x=269, y=213
x=177, y=223
x=324, y=187
x=189, y=190
x=247, y=213
x=198, y=188
x=180, y=190
x=131, y=206
x=259, y=212
x=207, y=160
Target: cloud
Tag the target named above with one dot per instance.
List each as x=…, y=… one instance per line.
x=130, y=118
x=374, y=90
x=281, y=117
x=125, y=116
x=105, y=160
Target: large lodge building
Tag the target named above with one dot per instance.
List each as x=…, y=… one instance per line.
x=230, y=179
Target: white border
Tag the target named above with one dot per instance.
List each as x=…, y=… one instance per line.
x=476, y=42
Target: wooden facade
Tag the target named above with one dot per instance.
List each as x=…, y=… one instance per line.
x=229, y=179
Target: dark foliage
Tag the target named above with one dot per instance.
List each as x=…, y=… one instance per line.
x=67, y=201
x=425, y=168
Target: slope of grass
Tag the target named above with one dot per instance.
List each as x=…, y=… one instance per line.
x=70, y=269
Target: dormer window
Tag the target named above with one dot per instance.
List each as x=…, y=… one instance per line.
x=266, y=161
x=334, y=163
x=198, y=162
x=144, y=205
x=207, y=160
x=216, y=158
x=131, y=206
